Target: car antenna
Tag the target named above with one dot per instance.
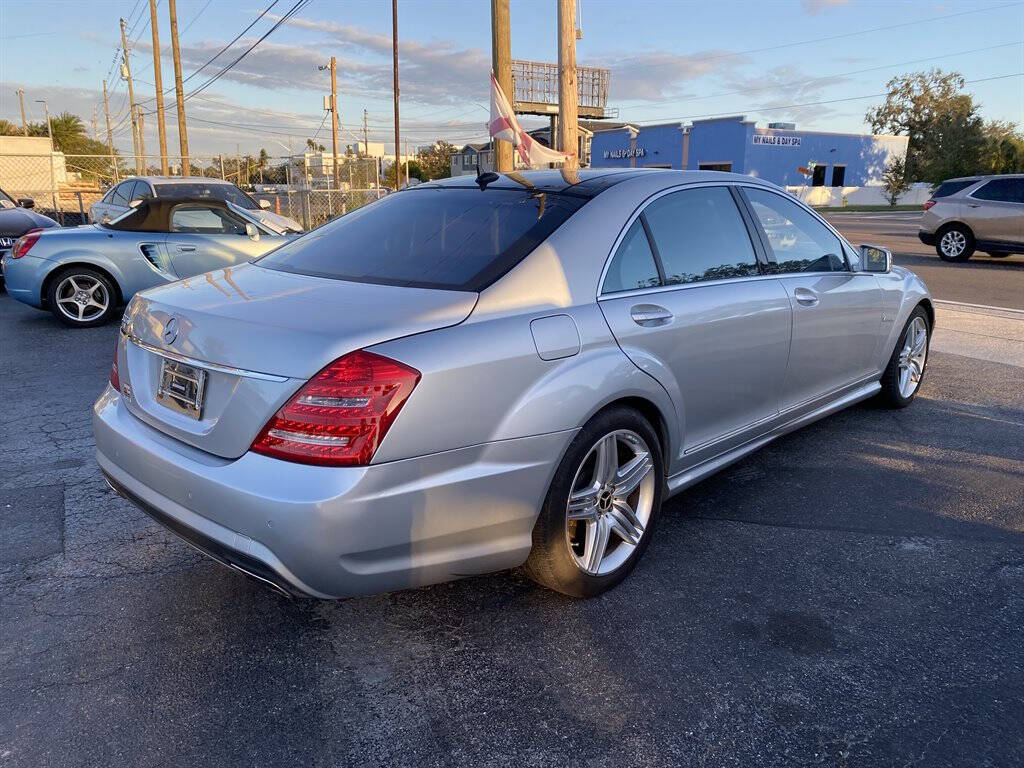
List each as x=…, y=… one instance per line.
x=484, y=178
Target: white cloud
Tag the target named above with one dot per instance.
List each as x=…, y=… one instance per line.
x=821, y=6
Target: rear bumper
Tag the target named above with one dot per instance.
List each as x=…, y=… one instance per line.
x=928, y=238
x=336, y=532
x=24, y=278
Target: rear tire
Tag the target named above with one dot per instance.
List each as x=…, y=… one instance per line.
x=82, y=297
x=601, y=508
x=955, y=243
x=905, y=372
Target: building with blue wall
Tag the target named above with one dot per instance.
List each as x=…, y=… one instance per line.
x=780, y=153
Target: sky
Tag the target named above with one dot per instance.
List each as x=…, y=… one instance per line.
x=819, y=63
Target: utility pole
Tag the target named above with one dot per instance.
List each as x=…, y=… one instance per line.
x=161, y=130
x=142, y=140
x=568, y=95
x=394, y=53
x=126, y=73
x=95, y=125
x=501, y=63
x=366, y=137
x=21, y=102
x=222, y=168
x=179, y=90
x=334, y=117
x=110, y=135
x=238, y=165
x=53, y=181
x=406, y=161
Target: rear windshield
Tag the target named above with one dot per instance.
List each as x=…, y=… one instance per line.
x=429, y=237
x=948, y=188
x=228, y=193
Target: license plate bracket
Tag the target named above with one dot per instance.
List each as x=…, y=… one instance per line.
x=181, y=388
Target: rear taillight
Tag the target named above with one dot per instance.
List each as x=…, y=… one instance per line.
x=25, y=243
x=340, y=416
x=115, y=380
x=929, y=204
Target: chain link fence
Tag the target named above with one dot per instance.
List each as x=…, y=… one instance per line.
x=301, y=186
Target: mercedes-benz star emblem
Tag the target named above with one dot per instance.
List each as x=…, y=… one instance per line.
x=170, y=330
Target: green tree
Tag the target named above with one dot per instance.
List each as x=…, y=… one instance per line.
x=1004, y=148
x=894, y=180
x=7, y=128
x=415, y=172
x=435, y=162
x=946, y=135
x=312, y=146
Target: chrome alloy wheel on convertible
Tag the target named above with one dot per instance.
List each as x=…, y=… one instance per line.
x=610, y=503
x=81, y=298
x=913, y=356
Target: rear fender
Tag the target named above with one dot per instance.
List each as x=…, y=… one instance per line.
x=79, y=257
x=485, y=381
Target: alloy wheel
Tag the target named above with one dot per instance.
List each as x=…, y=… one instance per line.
x=953, y=243
x=912, y=357
x=610, y=503
x=82, y=298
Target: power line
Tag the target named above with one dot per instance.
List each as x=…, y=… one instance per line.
x=235, y=40
x=829, y=38
x=808, y=104
x=194, y=18
x=300, y=4
x=808, y=81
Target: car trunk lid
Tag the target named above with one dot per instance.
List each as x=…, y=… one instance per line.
x=253, y=336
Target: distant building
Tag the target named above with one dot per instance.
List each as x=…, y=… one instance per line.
x=779, y=153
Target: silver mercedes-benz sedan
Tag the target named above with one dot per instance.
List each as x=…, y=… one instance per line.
x=469, y=376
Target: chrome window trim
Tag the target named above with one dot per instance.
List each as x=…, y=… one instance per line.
x=202, y=363
x=601, y=296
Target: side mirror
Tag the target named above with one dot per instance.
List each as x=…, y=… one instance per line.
x=874, y=258
x=265, y=205
x=26, y=202
x=252, y=232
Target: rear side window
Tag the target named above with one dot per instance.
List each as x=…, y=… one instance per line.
x=633, y=265
x=948, y=188
x=1001, y=190
x=700, y=235
x=197, y=220
x=451, y=238
x=119, y=195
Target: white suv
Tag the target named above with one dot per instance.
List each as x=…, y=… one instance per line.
x=983, y=213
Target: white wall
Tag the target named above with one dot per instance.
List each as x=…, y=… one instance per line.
x=839, y=196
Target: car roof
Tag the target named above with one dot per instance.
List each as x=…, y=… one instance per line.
x=154, y=213
x=988, y=177
x=586, y=182
x=183, y=180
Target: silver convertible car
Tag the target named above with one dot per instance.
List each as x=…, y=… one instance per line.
x=83, y=274
x=470, y=376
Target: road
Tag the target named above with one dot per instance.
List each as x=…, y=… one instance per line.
x=982, y=280
x=851, y=595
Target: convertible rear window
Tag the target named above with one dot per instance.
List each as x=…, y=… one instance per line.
x=431, y=237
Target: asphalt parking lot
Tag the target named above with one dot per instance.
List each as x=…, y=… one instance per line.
x=851, y=595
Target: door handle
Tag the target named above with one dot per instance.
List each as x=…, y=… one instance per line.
x=186, y=248
x=805, y=296
x=649, y=315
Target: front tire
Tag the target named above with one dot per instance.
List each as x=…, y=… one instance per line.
x=601, y=508
x=955, y=243
x=905, y=372
x=81, y=297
